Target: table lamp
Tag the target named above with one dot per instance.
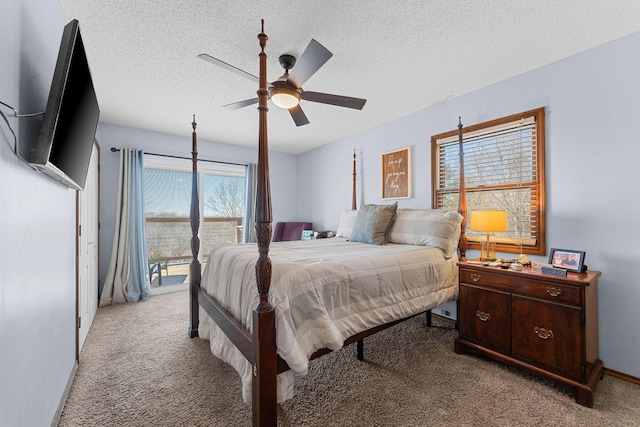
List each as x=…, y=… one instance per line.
x=488, y=222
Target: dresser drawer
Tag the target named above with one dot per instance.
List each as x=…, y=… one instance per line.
x=534, y=287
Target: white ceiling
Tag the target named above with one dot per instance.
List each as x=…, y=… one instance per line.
x=402, y=56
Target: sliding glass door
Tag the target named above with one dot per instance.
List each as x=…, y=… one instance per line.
x=223, y=210
x=167, y=183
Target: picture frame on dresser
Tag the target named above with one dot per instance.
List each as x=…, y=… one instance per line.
x=396, y=174
x=568, y=259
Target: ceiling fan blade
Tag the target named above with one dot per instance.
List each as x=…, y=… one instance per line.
x=298, y=116
x=339, y=100
x=314, y=56
x=228, y=67
x=241, y=104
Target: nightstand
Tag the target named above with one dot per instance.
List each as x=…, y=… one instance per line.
x=544, y=324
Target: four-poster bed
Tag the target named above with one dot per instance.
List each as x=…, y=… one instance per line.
x=320, y=289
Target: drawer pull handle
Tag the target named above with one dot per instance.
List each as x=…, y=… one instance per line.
x=554, y=292
x=475, y=277
x=483, y=316
x=543, y=333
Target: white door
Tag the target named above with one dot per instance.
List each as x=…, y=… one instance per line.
x=88, y=218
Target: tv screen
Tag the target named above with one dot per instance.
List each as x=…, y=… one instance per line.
x=64, y=145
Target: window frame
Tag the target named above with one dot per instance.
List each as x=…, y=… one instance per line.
x=537, y=208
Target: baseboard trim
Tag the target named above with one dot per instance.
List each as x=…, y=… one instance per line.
x=622, y=375
x=63, y=399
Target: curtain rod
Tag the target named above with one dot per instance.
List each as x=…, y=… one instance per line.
x=114, y=150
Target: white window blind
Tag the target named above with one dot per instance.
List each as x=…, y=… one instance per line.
x=502, y=171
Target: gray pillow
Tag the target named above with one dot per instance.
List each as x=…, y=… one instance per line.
x=373, y=224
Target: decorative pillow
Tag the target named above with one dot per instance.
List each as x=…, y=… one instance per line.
x=347, y=221
x=373, y=224
x=435, y=227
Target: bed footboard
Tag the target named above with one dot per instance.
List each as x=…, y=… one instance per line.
x=231, y=327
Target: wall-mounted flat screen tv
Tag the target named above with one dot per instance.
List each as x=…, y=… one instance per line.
x=63, y=148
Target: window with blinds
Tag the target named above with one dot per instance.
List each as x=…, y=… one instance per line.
x=504, y=170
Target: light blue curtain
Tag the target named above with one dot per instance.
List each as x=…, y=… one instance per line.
x=128, y=274
x=140, y=285
x=249, y=222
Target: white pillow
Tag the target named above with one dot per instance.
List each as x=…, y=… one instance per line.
x=427, y=227
x=347, y=221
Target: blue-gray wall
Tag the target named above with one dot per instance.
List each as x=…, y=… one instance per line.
x=37, y=229
x=592, y=103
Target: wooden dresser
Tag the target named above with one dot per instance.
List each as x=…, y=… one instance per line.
x=544, y=324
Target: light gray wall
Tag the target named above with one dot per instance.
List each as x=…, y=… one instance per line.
x=37, y=230
x=282, y=167
x=592, y=151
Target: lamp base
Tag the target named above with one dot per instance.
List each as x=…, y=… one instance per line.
x=487, y=249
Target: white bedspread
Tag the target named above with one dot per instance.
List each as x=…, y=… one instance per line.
x=323, y=291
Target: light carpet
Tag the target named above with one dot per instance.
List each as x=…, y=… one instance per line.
x=138, y=367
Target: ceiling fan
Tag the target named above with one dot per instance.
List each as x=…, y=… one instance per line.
x=286, y=92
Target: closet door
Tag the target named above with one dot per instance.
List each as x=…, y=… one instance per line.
x=87, y=244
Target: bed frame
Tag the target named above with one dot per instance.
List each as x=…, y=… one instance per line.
x=259, y=347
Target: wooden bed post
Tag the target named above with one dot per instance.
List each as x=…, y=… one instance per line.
x=354, y=205
x=264, y=390
x=195, y=271
x=462, y=198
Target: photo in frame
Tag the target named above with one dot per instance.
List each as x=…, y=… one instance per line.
x=396, y=174
x=568, y=259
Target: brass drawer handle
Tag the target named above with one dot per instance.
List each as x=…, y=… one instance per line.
x=483, y=316
x=554, y=292
x=543, y=333
x=475, y=277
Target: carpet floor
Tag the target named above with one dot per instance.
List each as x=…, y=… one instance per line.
x=139, y=368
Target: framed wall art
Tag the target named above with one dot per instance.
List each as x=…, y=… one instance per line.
x=396, y=174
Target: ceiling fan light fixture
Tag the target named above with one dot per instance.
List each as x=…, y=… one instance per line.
x=287, y=92
x=284, y=97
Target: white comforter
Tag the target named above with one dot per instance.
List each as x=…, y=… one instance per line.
x=323, y=291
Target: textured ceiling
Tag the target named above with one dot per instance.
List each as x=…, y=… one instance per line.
x=402, y=56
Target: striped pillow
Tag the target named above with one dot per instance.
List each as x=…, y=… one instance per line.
x=433, y=227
